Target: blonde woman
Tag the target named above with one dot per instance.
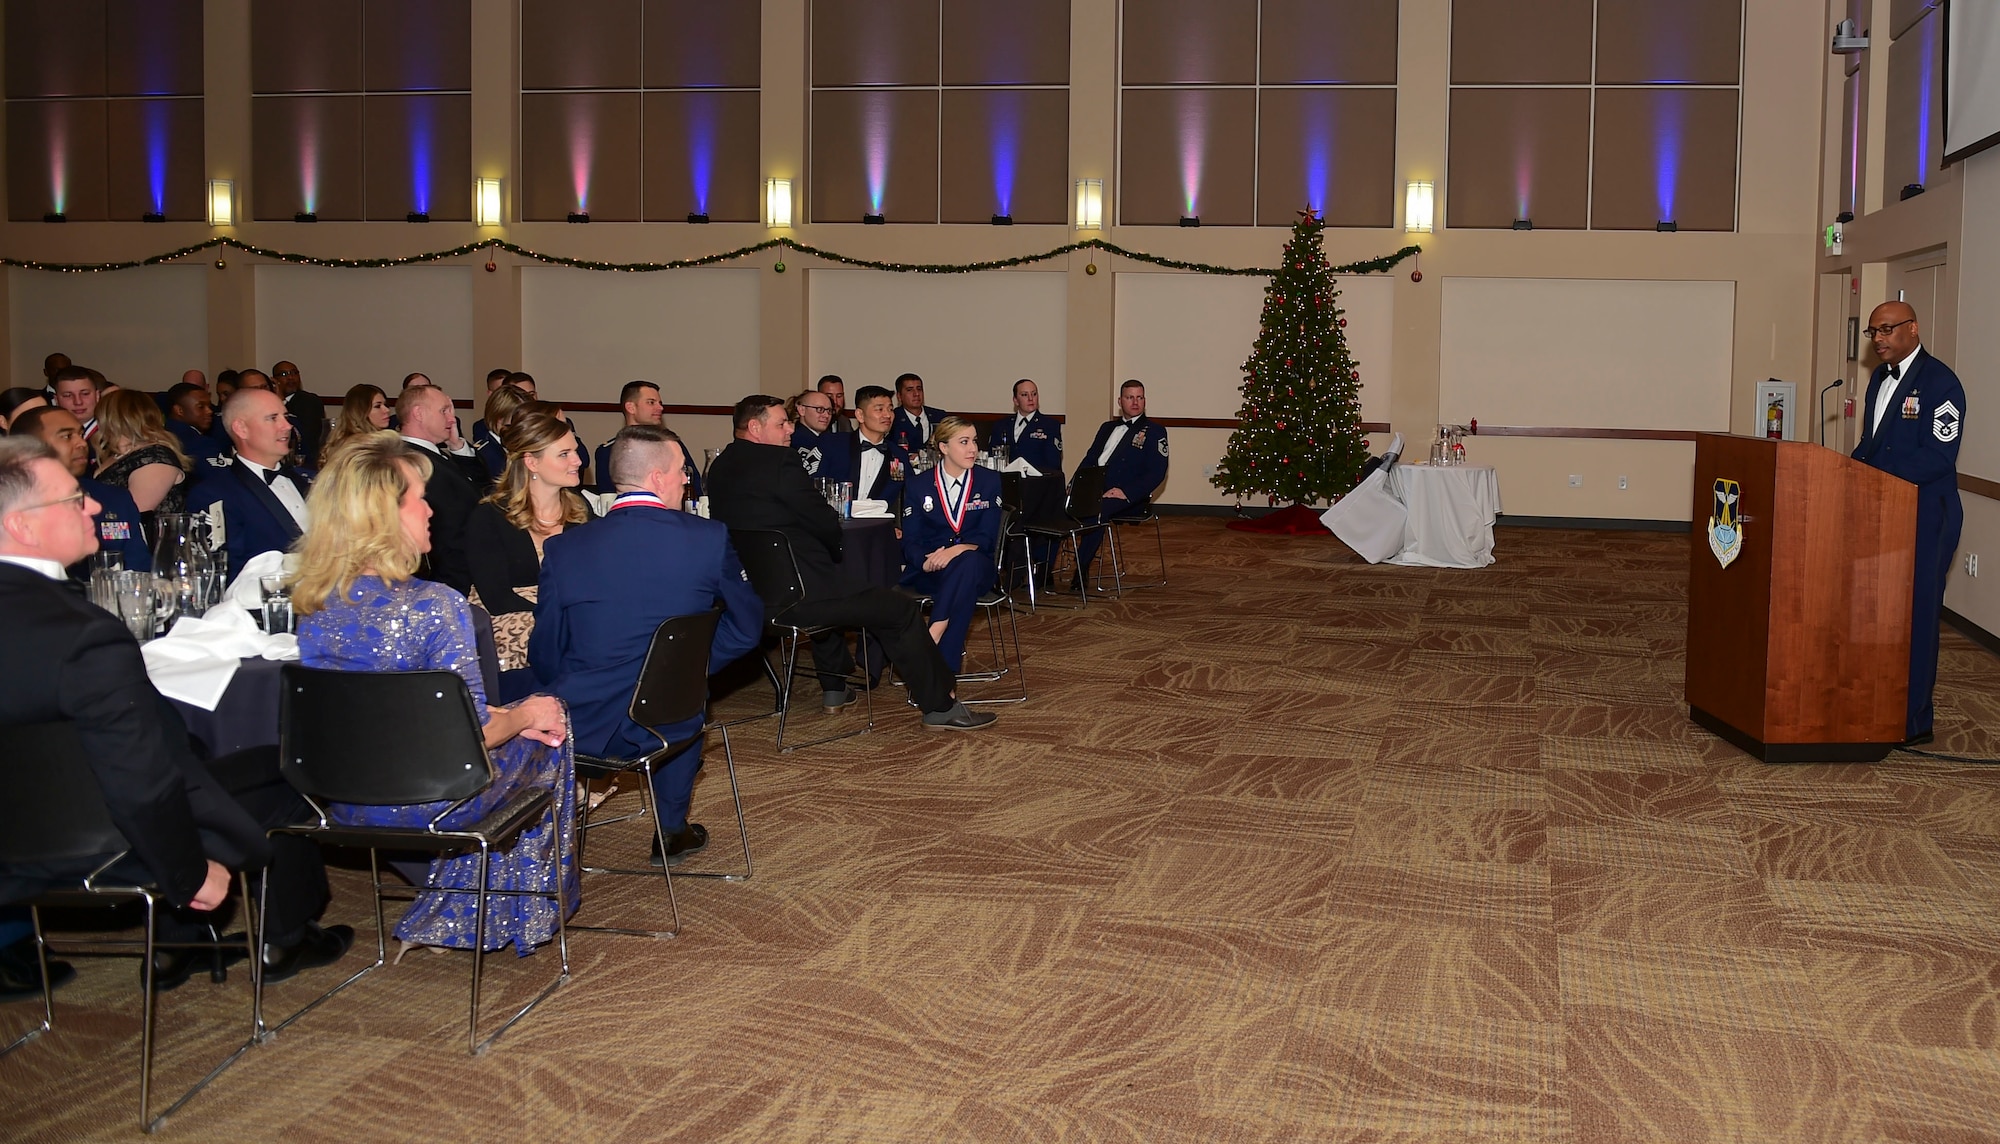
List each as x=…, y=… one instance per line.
x=361, y=609
x=951, y=534
x=136, y=453
x=366, y=410
x=536, y=498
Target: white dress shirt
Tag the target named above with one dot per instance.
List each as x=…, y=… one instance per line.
x=281, y=486
x=1889, y=387
x=1112, y=442
x=49, y=568
x=871, y=466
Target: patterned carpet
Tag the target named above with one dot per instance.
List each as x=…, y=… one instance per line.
x=1295, y=849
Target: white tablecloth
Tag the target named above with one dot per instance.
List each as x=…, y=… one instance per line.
x=1451, y=511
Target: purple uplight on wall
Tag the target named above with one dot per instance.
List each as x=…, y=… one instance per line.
x=1319, y=155
x=58, y=159
x=1006, y=141
x=1193, y=138
x=580, y=140
x=702, y=115
x=309, y=160
x=875, y=129
x=156, y=154
x=1524, y=178
x=420, y=156
x=1668, y=130
x=1926, y=93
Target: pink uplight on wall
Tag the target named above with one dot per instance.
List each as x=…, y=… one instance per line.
x=1193, y=128
x=875, y=131
x=580, y=139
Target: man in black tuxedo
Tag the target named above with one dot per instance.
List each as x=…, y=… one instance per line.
x=188, y=824
x=458, y=480
x=758, y=483
x=262, y=497
x=306, y=411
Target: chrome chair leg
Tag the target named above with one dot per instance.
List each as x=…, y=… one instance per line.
x=742, y=827
x=48, y=1002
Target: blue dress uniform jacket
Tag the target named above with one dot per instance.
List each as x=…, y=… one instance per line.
x=824, y=455
x=117, y=526
x=254, y=520
x=886, y=487
x=954, y=589
x=906, y=433
x=1040, y=444
x=1918, y=441
x=1138, y=467
x=204, y=450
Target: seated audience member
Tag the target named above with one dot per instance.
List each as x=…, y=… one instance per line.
x=188, y=825
x=915, y=421
x=640, y=402
x=262, y=498
x=365, y=409
x=876, y=465
x=595, y=619
x=758, y=483
x=1133, y=452
x=19, y=400
x=191, y=419
x=535, y=499
x=951, y=535
x=136, y=453
x=1029, y=434
x=523, y=382
x=118, y=523
x=822, y=451
x=307, y=411
x=495, y=379
x=254, y=379
x=52, y=365
x=836, y=392
x=77, y=392
x=503, y=405
x=456, y=481
x=360, y=609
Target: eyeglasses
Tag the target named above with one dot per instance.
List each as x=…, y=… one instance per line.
x=1871, y=331
x=76, y=498
x=817, y=408
x=286, y=373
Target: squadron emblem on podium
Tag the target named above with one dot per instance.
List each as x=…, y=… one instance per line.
x=1725, y=526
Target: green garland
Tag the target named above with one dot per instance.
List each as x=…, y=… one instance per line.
x=1370, y=266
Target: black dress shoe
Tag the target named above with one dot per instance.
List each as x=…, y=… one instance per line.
x=319, y=947
x=689, y=839
x=21, y=971
x=172, y=967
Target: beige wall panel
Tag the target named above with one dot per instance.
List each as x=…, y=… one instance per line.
x=1664, y=154
x=1685, y=41
x=1596, y=353
x=296, y=45
x=579, y=43
x=1977, y=358
x=1915, y=136
x=702, y=43
x=55, y=47
x=55, y=159
x=417, y=318
x=1005, y=152
x=1019, y=42
x=1195, y=453
x=1331, y=148
x=874, y=152
x=152, y=47
x=1518, y=153
x=701, y=156
x=1977, y=598
x=1187, y=152
x=1534, y=476
x=419, y=156
x=141, y=327
x=1329, y=41
x=970, y=336
x=417, y=45
x=306, y=156
x=580, y=152
x=154, y=159
x=1505, y=41
x=867, y=42
x=1187, y=336
x=694, y=333
x=1190, y=41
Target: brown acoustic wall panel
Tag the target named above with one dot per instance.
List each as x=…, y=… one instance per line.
x=1019, y=42
x=55, y=47
x=874, y=152
x=864, y=43
x=153, y=47
x=1664, y=154
x=1190, y=41
x=154, y=162
x=1006, y=152
x=703, y=43
x=1505, y=41
x=579, y=43
x=305, y=156
x=1331, y=149
x=305, y=45
x=1329, y=41
x=1518, y=153
x=55, y=159
x=418, y=152
x=1687, y=41
x=701, y=156
x=417, y=45
x=580, y=152
x=1187, y=152
x=1913, y=135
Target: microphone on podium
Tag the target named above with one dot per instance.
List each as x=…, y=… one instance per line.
x=1837, y=383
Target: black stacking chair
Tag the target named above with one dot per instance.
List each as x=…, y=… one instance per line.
x=672, y=688
x=773, y=570
x=1086, y=496
x=1140, y=519
x=420, y=743
x=53, y=816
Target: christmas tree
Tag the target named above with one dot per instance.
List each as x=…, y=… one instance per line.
x=1298, y=435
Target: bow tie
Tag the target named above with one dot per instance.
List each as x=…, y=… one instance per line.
x=271, y=476
x=882, y=448
x=1895, y=371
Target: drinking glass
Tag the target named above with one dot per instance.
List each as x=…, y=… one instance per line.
x=134, y=594
x=277, y=604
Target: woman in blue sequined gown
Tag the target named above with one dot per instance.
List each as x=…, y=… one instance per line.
x=361, y=610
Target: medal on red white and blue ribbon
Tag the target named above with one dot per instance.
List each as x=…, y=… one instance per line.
x=955, y=518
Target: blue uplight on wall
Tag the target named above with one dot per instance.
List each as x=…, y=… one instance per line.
x=702, y=115
x=1319, y=155
x=875, y=130
x=421, y=135
x=156, y=155
x=1006, y=143
x=1926, y=30
x=1668, y=132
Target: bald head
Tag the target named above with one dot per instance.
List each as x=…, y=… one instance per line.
x=1892, y=327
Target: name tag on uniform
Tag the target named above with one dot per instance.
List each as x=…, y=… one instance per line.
x=114, y=530
x=1911, y=406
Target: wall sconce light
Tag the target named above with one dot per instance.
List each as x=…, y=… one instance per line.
x=221, y=202
x=486, y=202
x=777, y=202
x=1419, y=201
x=1090, y=204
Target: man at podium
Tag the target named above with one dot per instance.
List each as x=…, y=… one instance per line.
x=1913, y=419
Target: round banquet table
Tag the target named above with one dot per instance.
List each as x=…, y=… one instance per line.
x=871, y=554
x=247, y=716
x=1451, y=512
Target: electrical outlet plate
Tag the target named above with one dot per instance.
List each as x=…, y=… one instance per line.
x=1621, y=482
x=1972, y=564
x=1576, y=480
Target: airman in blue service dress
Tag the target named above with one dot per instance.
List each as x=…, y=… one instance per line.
x=909, y=434
x=1036, y=439
x=823, y=454
x=1137, y=467
x=939, y=511
x=1917, y=439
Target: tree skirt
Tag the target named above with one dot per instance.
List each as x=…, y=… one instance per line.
x=1297, y=520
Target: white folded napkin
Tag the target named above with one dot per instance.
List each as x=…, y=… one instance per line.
x=195, y=661
x=599, y=501
x=1020, y=465
x=244, y=591
x=870, y=510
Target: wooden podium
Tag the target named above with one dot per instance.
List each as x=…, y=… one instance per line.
x=1799, y=650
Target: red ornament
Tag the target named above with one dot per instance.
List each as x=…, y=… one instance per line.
x=1416, y=276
